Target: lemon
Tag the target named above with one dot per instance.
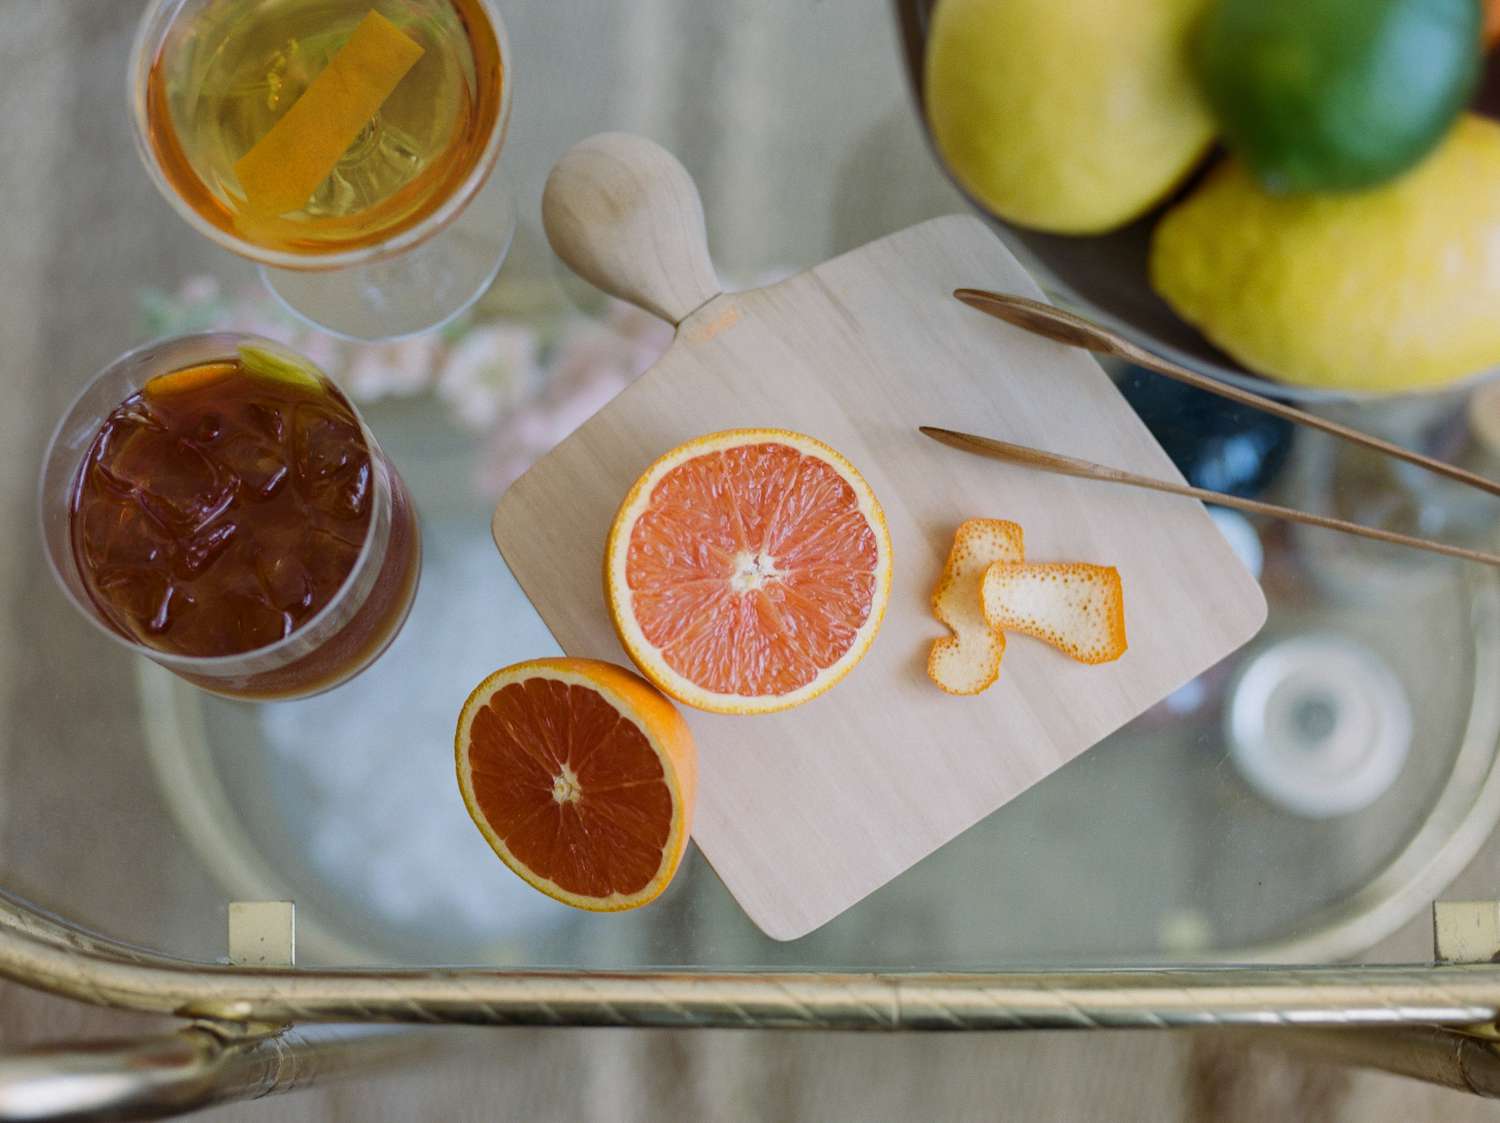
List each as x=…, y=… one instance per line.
x=1073, y=116
x=1334, y=95
x=1392, y=289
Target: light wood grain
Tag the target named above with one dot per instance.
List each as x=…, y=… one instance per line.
x=625, y=216
x=804, y=813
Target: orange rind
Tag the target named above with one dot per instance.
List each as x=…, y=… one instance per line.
x=189, y=378
x=968, y=661
x=1077, y=608
x=283, y=169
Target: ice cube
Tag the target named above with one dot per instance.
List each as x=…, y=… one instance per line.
x=284, y=581
x=208, y=428
x=203, y=547
x=260, y=465
x=325, y=441
x=171, y=478
x=143, y=596
x=327, y=559
x=346, y=496
x=133, y=414
x=115, y=531
x=268, y=421
x=250, y=621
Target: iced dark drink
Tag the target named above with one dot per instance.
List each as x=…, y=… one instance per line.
x=233, y=518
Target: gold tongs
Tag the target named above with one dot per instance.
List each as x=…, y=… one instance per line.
x=1067, y=327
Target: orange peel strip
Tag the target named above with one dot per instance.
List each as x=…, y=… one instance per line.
x=284, y=168
x=968, y=661
x=189, y=378
x=1077, y=608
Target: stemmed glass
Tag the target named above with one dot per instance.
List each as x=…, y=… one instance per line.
x=411, y=224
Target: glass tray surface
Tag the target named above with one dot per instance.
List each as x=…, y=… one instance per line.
x=1206, y=831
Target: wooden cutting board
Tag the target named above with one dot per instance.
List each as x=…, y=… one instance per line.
x=805, y=812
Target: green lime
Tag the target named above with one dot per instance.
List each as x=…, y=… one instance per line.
x=280, y=365
x=1333, y=95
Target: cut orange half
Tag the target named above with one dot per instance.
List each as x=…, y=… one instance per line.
x=748, y=571
x=581, y=776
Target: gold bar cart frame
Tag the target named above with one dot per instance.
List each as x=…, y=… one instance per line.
x=256, y=1030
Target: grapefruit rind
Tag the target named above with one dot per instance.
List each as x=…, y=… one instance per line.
x=645, y=654
x=638, y=703
x=1077, y=608
x=968, y=661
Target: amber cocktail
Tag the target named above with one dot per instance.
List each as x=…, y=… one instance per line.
x=320, y=136
x=216, y=503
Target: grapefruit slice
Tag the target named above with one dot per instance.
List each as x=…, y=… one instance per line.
x=581, y=777
x=748, y=571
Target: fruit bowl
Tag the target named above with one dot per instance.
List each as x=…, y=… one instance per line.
x=1104, y=276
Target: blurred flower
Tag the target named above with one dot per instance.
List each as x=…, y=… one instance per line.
x=196, y=306
x=392, y=370
x=199, y=290
x=592, y=362
x=489, y=371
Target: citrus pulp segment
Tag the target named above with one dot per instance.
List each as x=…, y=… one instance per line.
x=748, y=571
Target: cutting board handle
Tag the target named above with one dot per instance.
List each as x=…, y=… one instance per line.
x=625, y=216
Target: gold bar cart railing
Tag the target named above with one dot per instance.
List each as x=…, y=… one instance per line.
x=257, y=1031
